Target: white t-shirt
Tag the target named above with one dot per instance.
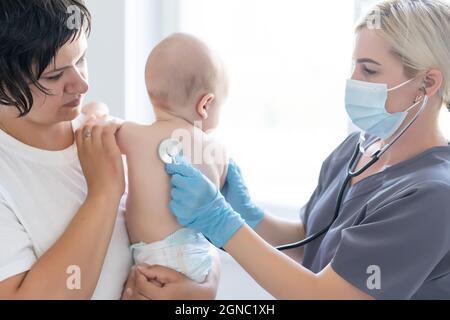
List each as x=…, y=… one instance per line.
x=40, y=192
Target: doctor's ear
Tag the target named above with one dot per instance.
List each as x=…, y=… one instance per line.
x=205, y=104
x=432, y=82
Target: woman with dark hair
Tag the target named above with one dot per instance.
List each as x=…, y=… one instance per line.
x=62, y=229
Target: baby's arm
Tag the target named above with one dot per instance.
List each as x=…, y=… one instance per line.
x=125, y=137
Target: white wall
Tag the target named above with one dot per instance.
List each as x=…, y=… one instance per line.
x=142, y=31
x=106, y=54
x=147, y=22
x=123, y=34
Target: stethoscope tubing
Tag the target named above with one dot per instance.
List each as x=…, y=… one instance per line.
x=350, y=175
x=344, y=185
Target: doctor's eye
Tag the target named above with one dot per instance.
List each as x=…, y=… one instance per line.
x=368, y=71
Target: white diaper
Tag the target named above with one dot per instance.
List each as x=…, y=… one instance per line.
x=185, y=251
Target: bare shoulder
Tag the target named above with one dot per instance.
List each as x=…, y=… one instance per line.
x=133, y=136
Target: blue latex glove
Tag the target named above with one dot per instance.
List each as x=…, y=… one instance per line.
x=236, y=194
x=197, y=204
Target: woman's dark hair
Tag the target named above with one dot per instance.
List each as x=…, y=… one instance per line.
x=31, y=34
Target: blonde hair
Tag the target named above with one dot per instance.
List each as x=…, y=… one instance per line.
x=419, y=32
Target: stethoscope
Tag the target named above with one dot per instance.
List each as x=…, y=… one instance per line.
x=352, y=174
x=170, y=148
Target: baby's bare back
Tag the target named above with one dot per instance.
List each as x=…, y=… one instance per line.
x=148, y=215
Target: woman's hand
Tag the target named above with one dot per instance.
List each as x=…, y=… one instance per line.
x=101, y=159
x=159, y=283
x=237, y=195
x=198, y=204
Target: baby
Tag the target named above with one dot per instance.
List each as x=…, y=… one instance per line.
x=187, y=85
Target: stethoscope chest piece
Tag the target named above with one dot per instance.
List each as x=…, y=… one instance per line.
x=169, y=149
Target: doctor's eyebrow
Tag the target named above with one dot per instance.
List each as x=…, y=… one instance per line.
x=367, y=60
x=67, y=67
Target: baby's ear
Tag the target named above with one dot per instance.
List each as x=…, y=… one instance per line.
x=205, y=104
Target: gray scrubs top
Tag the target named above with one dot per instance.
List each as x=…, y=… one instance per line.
x=392, y=237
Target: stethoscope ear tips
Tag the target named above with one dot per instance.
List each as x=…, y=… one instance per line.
x=419, y=98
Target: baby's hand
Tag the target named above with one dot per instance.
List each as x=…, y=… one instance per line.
x=96, y=109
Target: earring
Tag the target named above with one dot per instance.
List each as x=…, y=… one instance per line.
x=418, y=98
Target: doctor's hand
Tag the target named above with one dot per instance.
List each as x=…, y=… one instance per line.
x=237, y=195
x=198, y=204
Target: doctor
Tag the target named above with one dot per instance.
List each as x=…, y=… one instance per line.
x=391, y=239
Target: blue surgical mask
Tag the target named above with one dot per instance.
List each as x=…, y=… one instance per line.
x=366, y=105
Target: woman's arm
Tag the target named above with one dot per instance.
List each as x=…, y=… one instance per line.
x=85, y=242
x=283, y=277
x=274, y=230
x=277, y=231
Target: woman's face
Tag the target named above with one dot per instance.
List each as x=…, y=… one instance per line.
x=66, y=78
x=374, y=62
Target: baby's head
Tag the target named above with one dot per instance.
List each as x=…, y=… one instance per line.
x=187, y=79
